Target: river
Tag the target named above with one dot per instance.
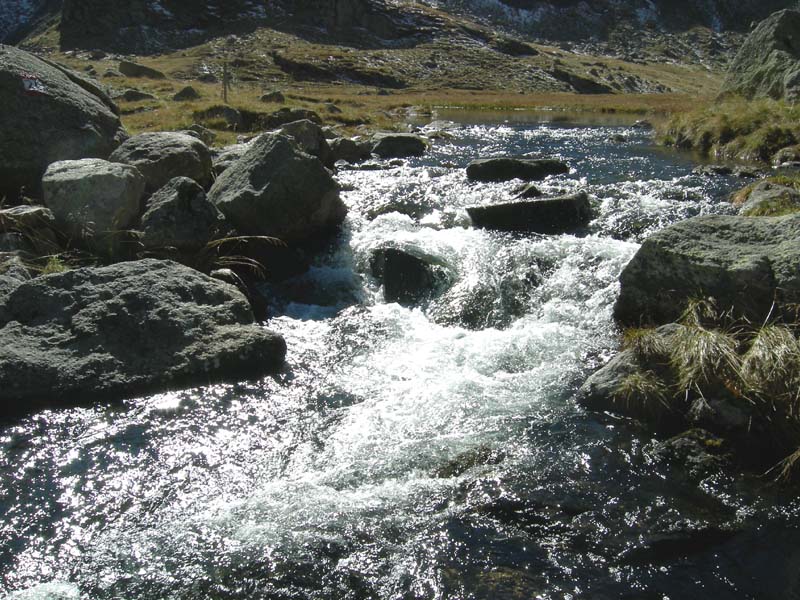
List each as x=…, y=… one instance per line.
x=425, y=452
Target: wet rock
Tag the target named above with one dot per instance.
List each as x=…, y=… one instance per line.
x=186, y=94
x=274, y=189
x=180, y=216
x=398, y=145
x=642, y=124
x=132, y=69
x=601, y=391
x=311, y=140
x=505, y=169
x=548, y=216
x=410, y=275
x=698, y=451
x=161, y=156
x=767, y=199
x=713, y=170
x=768, y=63
x=745, y=264
x=125, y=329
x=528, y=191
x=93, y=198
x=276, y=97
x=352, y=151
x=55, y=114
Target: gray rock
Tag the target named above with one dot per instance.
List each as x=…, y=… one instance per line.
x=275, y=96
x=286, y=115
x=186, y=94
x=507, y=168
x=163, y=156
x=180, y=216
x=398, y=145
x=745, y=264
x=54, y=115
x=768, y=198
x=547, y=215
x=13, y=272
x=93, y=198
x=528, y=191
x=132, y=95
x=790, y=154
x=713, y=170
x=132, y=69
x=274, y=189
x=768, y=63
x=352, y=151
x=232, y=117
x=227, y=156
x=27, y=217
x=204, y=134
x=410, y=275
x=698, y=451
x=126, y=329
x=311, y=140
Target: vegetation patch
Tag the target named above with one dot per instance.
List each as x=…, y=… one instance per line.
x=735, y=129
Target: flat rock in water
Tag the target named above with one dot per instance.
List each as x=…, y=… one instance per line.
x=547, y=215
x=744, y=263
x=398, y=145
x=129, y=328
x=508, y=168
x=48, y=114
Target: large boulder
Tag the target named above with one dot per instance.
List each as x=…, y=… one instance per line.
x=768, y=63
x=398, y=145
x=770, y=199
x=132, y=69
x=92, y=198
x=410, y=275
x=311, y=139
x=161, y=156
x=48, y=114
x=275, y=189
x=508, y=168
x=180, y=216
x=126, y=329
x=352, y=151
x=746, y=264
x=549, y=215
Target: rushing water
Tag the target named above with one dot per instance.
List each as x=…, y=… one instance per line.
x=404, y=453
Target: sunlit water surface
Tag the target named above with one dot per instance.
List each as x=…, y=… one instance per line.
x=409, y=453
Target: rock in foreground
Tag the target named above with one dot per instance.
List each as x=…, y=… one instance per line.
x=506, y=169
x=129, y=328
x=48, y=114
x=744, y=263
x=548, y=216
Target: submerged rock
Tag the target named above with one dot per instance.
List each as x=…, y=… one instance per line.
x=745, y=264
x=274, y=189
x=161, y=156
x=49, y=114
x=410, y=275
x=398, y=145
x=505, y=169
x=129, y=328
x=548, y=215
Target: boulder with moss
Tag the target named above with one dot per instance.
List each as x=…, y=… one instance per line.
x=125, y=329
x=747, y=265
